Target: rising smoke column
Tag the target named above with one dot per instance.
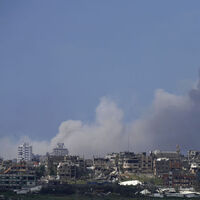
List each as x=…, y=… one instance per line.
x=105, y=134
x=172, y=120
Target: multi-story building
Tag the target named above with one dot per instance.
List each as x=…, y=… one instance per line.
x=113, y=157
x=179, y=179
x=165, y=165
x=166, y=154
x=193, y=156
x=146, y=163
x=102, y=164
x=136, y=163
x=161, y=166
x=124, y=157
x=24, y=152
x=66, y=170
x=60, y=150
x=131, y=164
x=70, y=167
x=78, y=161
x=51, y=164
x=18, y=176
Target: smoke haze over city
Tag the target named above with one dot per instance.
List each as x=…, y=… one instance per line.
x=99, y=76
x=171, y=120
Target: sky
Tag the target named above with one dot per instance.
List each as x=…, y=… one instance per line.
x=90, y=71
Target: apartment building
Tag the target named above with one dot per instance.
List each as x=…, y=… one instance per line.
x=136, y=163
x=24, y=152
x=60, y=150
x=18, y=176
x=66, y=170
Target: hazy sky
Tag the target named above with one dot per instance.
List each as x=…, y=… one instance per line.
x=59, y=58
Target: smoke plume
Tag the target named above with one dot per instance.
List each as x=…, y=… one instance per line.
x=172, y=120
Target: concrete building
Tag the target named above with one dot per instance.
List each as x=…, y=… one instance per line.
x=60, y=150
x=72, y=167
x=166, y=154
x=135, y=163
x=131, y=164
x=24, y=152
x=124, y=156
x=66, y=171
x=78, y=161
x=113, y=157
x=161, y=166
x=102, y=164
x=193, y=156
x=179, y=179
x=18, y=176
x=51, y=164
x=146, y=163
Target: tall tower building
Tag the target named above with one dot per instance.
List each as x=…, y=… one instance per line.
x=60, y=150
x=24, y=152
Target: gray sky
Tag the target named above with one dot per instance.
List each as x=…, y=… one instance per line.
x=58, y=59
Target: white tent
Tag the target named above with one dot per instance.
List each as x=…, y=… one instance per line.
x=133, y=182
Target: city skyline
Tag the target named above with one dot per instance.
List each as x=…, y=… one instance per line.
x=94, y=75
x=25, y=152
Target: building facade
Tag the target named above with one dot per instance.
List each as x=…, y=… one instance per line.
x=60, y=150
x=18, y=176
x=24, y=152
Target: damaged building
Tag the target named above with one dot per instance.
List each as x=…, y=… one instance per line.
x=18, y=176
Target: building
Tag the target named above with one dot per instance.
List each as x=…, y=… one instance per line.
x=124, y=157
x=135, y=163
x=60, y=150
x=51, y=164
x=131, y=164
x=166, y=154
x=101, y=164
x=179, y=179
x=161, y=166
x=146, y=161
x=66, y=167
x=193, y=156
x=24, y=152
x=66, y=170
x=76, y=160
x=165, y=165
x=18, y=176
x=113, y=157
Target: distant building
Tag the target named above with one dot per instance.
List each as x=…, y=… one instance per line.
x=66, y=170
x=193, y=156
x=166, y=154
x=72, y=167
x=137, y=163
x=179, y=179
x=24, y=152
x=52, y=163
x=18, y=176
x=60, y=150
x=161, y=166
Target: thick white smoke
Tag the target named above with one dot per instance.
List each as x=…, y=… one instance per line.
x=171, y=120
x=8, y=146
x=105, y=134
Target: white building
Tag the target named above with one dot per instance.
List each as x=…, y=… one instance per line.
x=60, y=150
x=24, y=152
